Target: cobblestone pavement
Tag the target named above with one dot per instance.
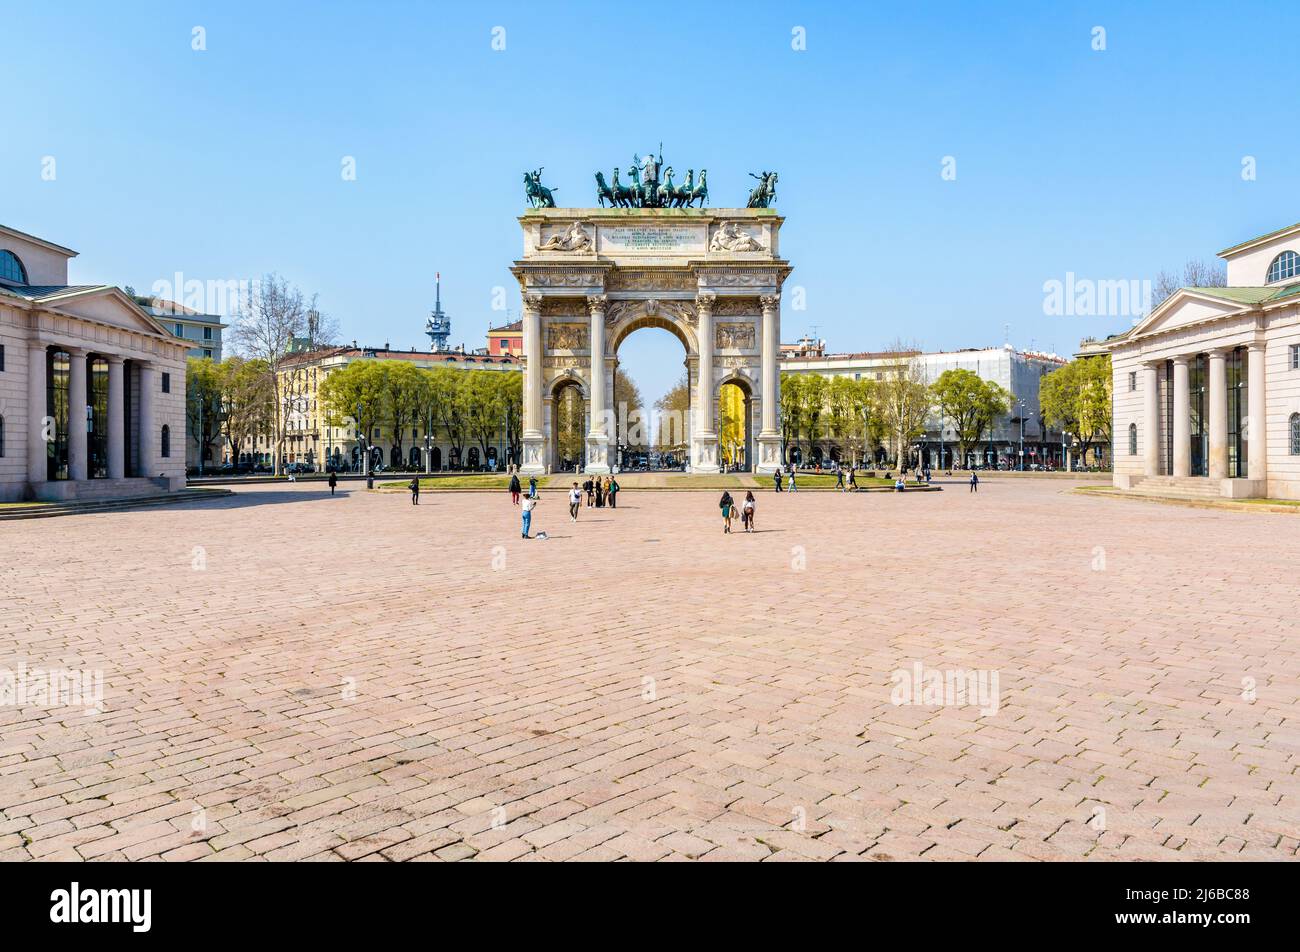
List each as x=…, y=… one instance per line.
x=292, y=676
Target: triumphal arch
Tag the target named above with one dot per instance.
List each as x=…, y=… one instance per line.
x=591, y=276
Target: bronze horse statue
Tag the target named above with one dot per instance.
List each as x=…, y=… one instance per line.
x=603, y=191
x=539, y=196
x=701, y=192
x=764, y=194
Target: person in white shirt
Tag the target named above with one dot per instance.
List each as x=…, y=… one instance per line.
x=528, y=505
x=575, y=502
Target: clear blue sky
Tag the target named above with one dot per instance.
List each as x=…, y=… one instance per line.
x=225, y=164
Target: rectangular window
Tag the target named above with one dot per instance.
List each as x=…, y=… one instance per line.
x=180, y=329
x=208, y=354
x=2, y=358
x=1132, y=381
x=166, y=383
x=207, y=333
x=1295, y=357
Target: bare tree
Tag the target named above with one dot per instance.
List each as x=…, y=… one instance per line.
x=1195, y=274
x=271, y=320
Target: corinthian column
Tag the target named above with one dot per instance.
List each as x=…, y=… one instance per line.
x=116, y=418
x=1181, y=424
x=1256, y=423
x=38, y=453
x=1218, y=400
x=77, y=442
x=533, y=462
x=769, y=436
x=1151, y=421
x=148, y=435
x=597, y=432
x=704, y=441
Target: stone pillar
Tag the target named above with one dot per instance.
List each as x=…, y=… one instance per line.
x=1218, y=398
x=148, y=436
x=1256, y=422
x=116, y=418
x=1151, y=417
x=769, y=436
x=78, y=468
x=37, y=411
x=704, y=436
x=597, y=430
x=1180, y=425
x=533, y=441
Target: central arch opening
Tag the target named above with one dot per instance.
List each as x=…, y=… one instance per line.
x=651, y=396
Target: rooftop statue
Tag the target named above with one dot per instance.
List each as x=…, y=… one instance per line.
x=763, y=194
x=539, y=196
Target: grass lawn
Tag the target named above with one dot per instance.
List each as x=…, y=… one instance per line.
x=464, y=481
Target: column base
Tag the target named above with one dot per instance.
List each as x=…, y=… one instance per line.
x=769, y=453
x=704, y=453
x=597, y=455
x=534, y=455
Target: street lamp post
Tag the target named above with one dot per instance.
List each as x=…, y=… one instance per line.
x=1021, y=404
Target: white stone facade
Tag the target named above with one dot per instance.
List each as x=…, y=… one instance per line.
x=92, y=389
x=1207, y=387
x=591, y=276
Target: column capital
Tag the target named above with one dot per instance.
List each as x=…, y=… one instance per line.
x=705, y=300
x=770, y=302
x=596, y=303
x=1182, y=360
x=1221, y=353
x=115, y=360
x=533, y=300
x=1256, y=347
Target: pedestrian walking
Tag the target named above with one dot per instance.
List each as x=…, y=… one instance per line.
x=532, y=486
x=839, y=479
x=974, y=482
x=514, y=489
x=589, y=488
x=528, y=505
x=747, y=509
x=334, y=481
x=415, y=491
x=726, y=504
x=613, y=492
x=575, y=502
x=793, y=487
x=776, y=478
x=853, y=479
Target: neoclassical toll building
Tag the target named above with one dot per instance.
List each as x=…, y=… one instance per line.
x=92, y=388
x=591, y=276
x=1207, y=387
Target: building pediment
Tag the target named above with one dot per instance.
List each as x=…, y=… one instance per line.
x=1189, y=306
x=105, y=305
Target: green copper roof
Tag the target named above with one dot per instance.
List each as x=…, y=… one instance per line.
x=1250, y=295
x=1271, y=234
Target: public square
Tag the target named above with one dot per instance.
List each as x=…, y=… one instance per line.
x=293, y=676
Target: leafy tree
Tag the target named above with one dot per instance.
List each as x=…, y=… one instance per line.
x=971, y=404
x=203, y=403
x=401, y=402
x=850, y=411
x=357, y=392
x=248, y=401
x=1077, y=399
x=448, y=394
x=674, y=410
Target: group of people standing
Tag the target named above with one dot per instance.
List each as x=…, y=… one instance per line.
x=599, y=491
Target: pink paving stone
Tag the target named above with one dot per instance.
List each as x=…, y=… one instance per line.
x=649, y=688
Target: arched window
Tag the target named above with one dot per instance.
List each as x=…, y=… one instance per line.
x=11, y=268
x=1295, y=434
x=1132, y=439
x=166, y=441
x=1285, y=265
